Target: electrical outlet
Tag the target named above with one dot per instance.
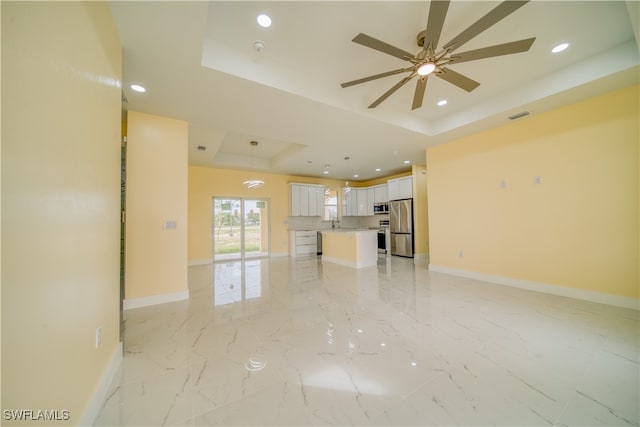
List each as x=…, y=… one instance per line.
x=460, y=254
x=537, y=179
x=98, y=336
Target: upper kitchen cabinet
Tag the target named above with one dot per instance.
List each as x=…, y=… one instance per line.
x=381, y=193
x=306, y=200
x=401, y=188
x=371, y=199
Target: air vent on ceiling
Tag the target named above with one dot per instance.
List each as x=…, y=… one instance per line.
x=517, y=116
x=201, y=148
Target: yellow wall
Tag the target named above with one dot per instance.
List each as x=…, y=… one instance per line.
x=578, y=228
x=382, y=180
x=206, y=183
x=420, y=211
x=61, y=96
x=157, y=156
x=341, y=246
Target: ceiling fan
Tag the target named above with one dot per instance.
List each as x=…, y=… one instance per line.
x=431, y=61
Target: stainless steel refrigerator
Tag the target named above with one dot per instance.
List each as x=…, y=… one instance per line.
x=401, y=227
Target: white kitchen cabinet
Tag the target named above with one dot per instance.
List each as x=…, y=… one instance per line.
x=401, y=188
x=371, y=199
x=316, y=200
x=303, y=243
x=358, y=201
x=394, y=189
x=306, y=200
x=381, y=193
x=363, y=201
x=295, y=200
x=346, y=198
x=351, y=202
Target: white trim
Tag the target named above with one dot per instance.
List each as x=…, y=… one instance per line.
x=420, y=258
x=608, y=299
x=346, y=263
x=130, y=303
x=197, y=262
x=100, y=393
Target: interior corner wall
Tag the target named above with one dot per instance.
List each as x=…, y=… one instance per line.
x=156, y=207
x=552, y=198
x=421, y=211
x=61, y=108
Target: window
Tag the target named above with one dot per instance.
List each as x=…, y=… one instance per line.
x=330, y=204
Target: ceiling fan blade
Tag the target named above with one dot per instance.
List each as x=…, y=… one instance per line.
x=418, y=95
x=381, y=46
x=392, y=90
x=435, y=21
x=377, y=76
x=497, y=50
x=498, y=13
x=463, y=82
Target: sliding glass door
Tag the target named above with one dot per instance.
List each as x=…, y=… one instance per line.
x=240, y=228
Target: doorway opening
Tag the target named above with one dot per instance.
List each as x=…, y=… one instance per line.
x=240, y=228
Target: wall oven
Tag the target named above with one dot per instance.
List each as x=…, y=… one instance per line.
x=384, y=237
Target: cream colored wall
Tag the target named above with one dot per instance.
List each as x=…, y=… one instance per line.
x=420, y=211
x=61, y=72
x=578, y=228
x=341, y=246
x=382, y=180
x=206, y=183
x=157, y=157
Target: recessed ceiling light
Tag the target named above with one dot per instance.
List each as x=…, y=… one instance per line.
x=442, y=102
x=325, y=172
x=560, y=47
x=138, y=88
x=355, y=175
x=264, y=21
x=378, y=169
x=406, y=162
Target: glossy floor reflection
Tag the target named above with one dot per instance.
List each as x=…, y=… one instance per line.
x=295, y=342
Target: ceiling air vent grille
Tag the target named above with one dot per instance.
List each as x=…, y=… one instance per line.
x=517, y=116
x=201, y=148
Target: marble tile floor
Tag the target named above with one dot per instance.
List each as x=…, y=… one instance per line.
x=295, y=342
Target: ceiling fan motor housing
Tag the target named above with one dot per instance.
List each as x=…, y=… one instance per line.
x=420, y=38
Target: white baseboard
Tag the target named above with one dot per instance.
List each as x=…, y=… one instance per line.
x=196, y=262
x=100, y=393
x=420, y=258
x=130, y=303
x=608, y=299
x=279, y=254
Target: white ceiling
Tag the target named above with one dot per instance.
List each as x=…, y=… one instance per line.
x=198, y=63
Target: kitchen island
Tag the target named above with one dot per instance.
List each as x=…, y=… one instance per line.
x=352, y=248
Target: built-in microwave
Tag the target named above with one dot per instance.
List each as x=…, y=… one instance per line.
x=380, y=208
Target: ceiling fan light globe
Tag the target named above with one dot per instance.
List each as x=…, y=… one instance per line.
x=426, y=69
